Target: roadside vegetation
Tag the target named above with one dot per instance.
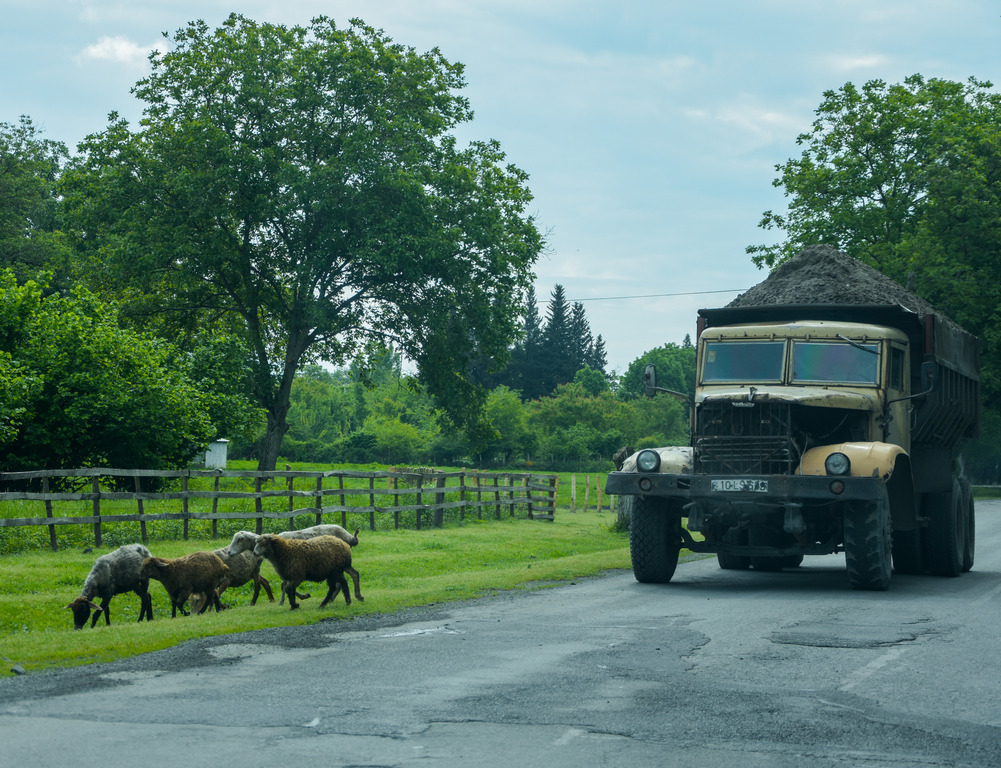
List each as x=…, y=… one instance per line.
x=399, y=569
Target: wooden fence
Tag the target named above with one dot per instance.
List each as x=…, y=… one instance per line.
x=375, y=493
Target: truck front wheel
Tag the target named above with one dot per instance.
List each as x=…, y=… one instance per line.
x=868, y=545
x=654, y=540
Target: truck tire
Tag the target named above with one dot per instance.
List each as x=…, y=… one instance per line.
x=970, y=539
x=654, y=540
x=728, y=561
x=945, y=537
x=908, y=554
x=868, y=545
x=760, y=537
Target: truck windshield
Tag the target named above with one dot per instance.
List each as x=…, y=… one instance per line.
x=743, y=361
x=835, y=363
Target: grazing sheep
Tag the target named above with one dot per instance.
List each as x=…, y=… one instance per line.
x=243, y=567
x=198, y=572
x=323, y=558
x=245, y=540
x=113, y=574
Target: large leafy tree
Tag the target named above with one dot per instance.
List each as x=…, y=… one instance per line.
x=77, y=390
x=303, y=186
x=906, y=177
x=30, y=166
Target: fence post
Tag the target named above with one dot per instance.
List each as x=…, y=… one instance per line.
x=439, y=500
x=184, y=504
x=528, y=493
x=319, y=499
x=258, y=506
x=479, y=497
x=96, y=488
x=554, y=484
x=371, y=502
x=48, y=513
x=598, y=486
x=420, y=500
x=587, y=491
x=291, y=499
x=497, y=505
x=215, y=509
x=395, y=486
x=462, y=495
x=139, y=504
x=344, y=512
x=573, y=493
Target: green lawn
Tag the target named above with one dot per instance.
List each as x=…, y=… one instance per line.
x=399, y=568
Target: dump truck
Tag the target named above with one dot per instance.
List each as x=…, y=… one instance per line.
x=815, y=429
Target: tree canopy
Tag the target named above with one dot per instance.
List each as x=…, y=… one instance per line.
x=906, y=177
x=76, y=390
x=301, y=186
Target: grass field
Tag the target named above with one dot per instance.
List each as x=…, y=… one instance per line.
x=399, y=568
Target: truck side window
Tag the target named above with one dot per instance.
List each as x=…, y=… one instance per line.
x=896, y=368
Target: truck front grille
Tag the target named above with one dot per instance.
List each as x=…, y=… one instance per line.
x=745, y=439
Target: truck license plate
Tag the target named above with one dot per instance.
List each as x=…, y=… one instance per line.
x=740, y=484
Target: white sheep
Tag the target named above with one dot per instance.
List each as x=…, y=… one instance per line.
x=243, y=567
x=245, y=540
x=323, y=558
x=113, y=574
x=181, y=576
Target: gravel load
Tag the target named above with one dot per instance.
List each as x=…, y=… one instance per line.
x=821, y=274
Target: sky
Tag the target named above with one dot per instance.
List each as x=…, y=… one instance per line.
x=650, y=129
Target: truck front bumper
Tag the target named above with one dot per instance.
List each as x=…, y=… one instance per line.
x=777, y=490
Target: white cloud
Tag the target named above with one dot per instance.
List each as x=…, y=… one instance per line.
x=119, y=50
x=849, y=63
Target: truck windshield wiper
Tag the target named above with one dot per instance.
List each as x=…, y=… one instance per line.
x=857, y=345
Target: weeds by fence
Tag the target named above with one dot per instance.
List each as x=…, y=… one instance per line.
x=410, y=497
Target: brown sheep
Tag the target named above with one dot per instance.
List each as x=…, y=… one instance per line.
x=245, y=540
x=323, y=558
x=243, y=567
x=181, y=576
x=113, y=574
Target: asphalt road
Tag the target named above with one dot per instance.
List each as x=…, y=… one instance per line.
x=718, y=668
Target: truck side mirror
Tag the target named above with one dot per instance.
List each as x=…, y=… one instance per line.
x=650, y=380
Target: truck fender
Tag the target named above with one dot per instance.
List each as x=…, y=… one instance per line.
x=674, y=460
x=884, y=460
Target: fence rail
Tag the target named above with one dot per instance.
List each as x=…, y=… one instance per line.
x=432, y=493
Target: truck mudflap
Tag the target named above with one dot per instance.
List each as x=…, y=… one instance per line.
x=776, y=490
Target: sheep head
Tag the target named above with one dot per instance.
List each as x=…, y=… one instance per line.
x=81, y=608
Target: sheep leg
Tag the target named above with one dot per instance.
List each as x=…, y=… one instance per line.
x=145, y=604
x=259, y=582
x=215, y=601
x=336, y=584
x=103, y=609
x=300, y=595
x=289, y=587
x=354, y=577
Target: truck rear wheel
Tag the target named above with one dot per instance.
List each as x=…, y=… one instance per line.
x=729, y=561
x=654, y=540
x=945, y=537
x=868, y=545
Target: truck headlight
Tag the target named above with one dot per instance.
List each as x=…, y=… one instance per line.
x=837, y=464
x=648, y=461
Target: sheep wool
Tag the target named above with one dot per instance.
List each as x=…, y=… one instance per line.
x=181, y=576
x=322, y=558
x=113, y=574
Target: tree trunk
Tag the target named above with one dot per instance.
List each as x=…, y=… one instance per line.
x=271, y=443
